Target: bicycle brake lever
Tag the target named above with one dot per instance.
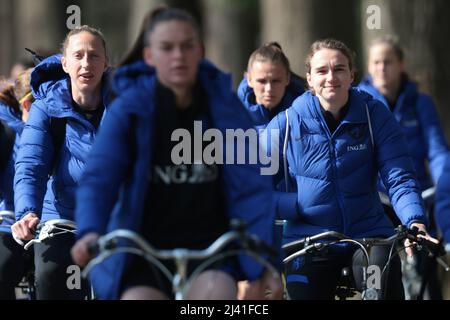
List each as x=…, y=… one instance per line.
x=442, y=263
x=93, y=248
x=317, y=246
x=30, y=243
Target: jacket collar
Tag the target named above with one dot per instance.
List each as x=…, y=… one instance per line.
x=356, y=112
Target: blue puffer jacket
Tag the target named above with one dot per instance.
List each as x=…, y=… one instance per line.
x=11, y=118
x=114, y=171
x=416, y=114
x=54, y=197
x=334, y=176
x=260, y=115
x=14, y=121
x=442, y=210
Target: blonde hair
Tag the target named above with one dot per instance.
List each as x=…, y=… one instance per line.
x=391, y=41
x=271, y=52
x=85, y=28
x=22, y=87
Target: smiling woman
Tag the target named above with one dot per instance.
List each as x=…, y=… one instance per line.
x=338, y=140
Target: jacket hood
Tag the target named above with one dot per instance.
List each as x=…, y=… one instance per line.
x=358, y=99
x=49, y=82
x=356, y=95
x=45, y=75
x=409, y=88
x=132, y=75
x=295, y=88
x=259, y=114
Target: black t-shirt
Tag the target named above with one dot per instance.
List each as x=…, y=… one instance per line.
x=185, y=206
x=93, y=116
x=7, y=137
x=333, y=123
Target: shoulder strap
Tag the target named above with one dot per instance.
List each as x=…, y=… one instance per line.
x=58, y=133
x=285, y=144
x=370, y=128
x=7, y=138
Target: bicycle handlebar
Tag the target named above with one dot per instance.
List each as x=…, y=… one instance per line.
x=303, y=246
x=6, y=215
x=45, y=230
x=106, y=245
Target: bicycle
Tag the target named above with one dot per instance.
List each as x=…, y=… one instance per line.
x=50, y=229
x=250, y=245
x=316, y=243
x=25, y=288
x=47, y=230
x=417, y=279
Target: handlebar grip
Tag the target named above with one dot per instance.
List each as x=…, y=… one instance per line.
x=238, y=225
x=258, y=245
x=93, y=248
x=17, y=239
x=435, y=249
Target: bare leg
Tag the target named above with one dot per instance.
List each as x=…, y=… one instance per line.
x=212, y=285
x=143, y=293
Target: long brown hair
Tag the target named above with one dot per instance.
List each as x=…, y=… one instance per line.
x=7, y=95
x=22, y=87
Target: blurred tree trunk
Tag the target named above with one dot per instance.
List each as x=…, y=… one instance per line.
x=194, y=7
x=423, y=30
x=296, y=24
x=39, y=25
x=230, y=33
x=111, y=17
x=137, y=11
x=290, y=24
x=7, y=36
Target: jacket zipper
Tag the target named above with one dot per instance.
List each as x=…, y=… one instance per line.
x=335, y=175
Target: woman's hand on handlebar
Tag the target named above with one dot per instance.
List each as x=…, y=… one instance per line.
x=81, y=251
x=25, y=228
x=422, y=234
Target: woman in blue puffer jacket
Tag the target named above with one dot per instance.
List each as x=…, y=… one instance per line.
x=269, y=86
x=11, y=119
x=13, y=259
x=338, y=140
x=416, y=114
x=72, y=94
x=414, y=111
x=14, y=118
x=141, y=187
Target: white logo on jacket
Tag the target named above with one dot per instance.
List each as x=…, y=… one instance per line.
x=410, y=123
x=357, y=147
